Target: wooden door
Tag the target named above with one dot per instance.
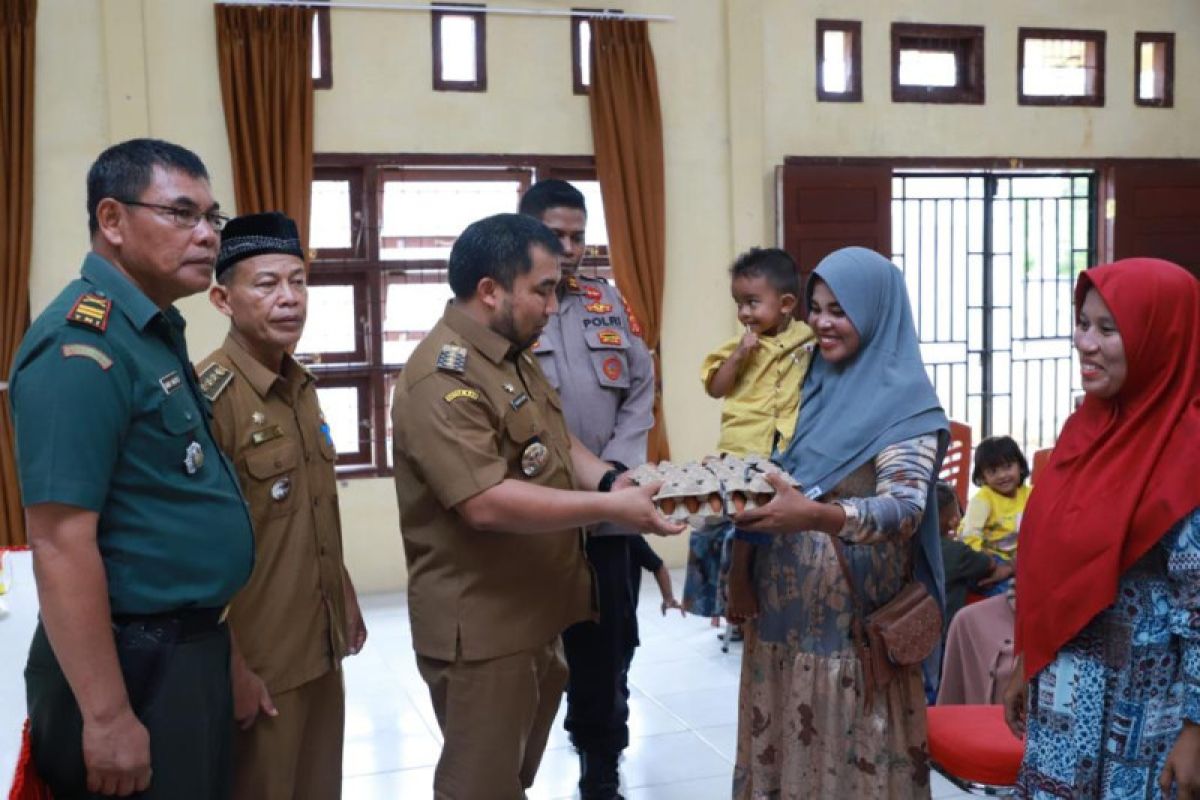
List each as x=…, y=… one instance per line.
x=1157, y=211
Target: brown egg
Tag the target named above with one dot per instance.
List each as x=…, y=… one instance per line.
x=763, y=498
x=667, y=504
x=714, y=502
x=692, y=503
x=739, y=501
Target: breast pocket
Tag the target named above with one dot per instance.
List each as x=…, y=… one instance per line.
x=532, y=454
x=178, y=414
x=271, y=473
x=608, y=350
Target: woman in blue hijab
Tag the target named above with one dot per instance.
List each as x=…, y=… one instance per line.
x=869, y=440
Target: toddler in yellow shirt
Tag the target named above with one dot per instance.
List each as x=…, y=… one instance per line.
x=993, y=515
x=758, y=374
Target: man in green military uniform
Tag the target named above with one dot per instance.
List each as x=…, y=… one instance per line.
x=298, y=616
x=139, y=532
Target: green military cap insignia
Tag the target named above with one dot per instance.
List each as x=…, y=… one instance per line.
x=90, y=311
x=452, y=358
x=87, y=351
x=213, y=381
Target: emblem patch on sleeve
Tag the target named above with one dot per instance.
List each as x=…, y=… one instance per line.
x=87, y=351
x=90, y=311
x=612, y=368
x=452, y=358
x=213, y=381
x=464, y=394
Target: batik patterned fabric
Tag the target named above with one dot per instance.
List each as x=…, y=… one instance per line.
x=1105, y=713
x=803, y=731
x=707, y=570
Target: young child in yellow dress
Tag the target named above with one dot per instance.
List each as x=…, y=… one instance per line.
x=993, y=515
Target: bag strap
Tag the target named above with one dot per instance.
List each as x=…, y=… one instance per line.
x=858, y=634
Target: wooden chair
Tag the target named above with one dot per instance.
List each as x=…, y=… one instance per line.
x=956, y=467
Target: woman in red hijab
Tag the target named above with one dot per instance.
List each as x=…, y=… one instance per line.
x=1108, y=623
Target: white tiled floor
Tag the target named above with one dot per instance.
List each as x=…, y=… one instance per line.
x=683, y=715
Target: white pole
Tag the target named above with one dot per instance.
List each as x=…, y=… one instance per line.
x=527, y=12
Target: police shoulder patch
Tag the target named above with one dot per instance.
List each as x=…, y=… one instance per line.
x=452, y=358
x=91, y=310
x=461, y=394
x=213, y=381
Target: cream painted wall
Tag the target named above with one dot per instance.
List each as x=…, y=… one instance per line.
x=737, y=85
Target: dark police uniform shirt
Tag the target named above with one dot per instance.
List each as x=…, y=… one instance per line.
x=592, y=352
x=109, y=418
x=467, y=414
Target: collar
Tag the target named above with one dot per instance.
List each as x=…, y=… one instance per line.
x=126, y=296
x=261, y=378
x=490, y=344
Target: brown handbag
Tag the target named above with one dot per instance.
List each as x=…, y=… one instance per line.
x=900, y=633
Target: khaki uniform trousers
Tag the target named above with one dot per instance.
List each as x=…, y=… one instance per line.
x=297, y=754
x=495, y=717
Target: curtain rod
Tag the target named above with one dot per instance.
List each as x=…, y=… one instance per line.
x=527, y=12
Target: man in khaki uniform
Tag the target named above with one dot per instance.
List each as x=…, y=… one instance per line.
x=485, y=477
x=298, y=615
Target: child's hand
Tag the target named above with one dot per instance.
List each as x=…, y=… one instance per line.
x=671, y=602
x=749, y=341
x=1000, y=572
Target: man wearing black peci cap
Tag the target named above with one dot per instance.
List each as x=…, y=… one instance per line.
x=139, y=532
x=298, y=615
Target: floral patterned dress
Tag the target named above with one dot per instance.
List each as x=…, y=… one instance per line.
x=803, y=730
x=1104, y=715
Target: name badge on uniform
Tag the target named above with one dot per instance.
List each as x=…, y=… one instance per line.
x=266, y=435
x=519, y=401
x=170, y=382
x=193, y=458
x=534, y=458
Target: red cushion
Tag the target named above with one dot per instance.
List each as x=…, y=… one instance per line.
x=973, y=743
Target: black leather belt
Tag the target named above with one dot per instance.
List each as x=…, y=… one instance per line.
x=185, y=623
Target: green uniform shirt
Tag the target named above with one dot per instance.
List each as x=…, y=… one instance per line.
x=109, y=418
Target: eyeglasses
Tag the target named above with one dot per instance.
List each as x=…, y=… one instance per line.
x=183, y=217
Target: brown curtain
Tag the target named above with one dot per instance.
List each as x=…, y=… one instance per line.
x=265, y=60
x=17, y=18
x=627, y=135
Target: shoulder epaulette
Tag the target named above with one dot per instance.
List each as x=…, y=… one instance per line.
x=91, y=310
x=213, y=381
x=452, y=358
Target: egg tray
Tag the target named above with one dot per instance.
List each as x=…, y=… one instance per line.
x=709, y=491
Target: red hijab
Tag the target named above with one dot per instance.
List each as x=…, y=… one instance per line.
x=1124, y=469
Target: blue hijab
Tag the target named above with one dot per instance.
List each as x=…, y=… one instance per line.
x=879, y=396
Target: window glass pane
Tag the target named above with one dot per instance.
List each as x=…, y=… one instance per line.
x=585, y=49
x=1058, y=67
x=835, y=66
x=330, y=226
x=928, y=68
x=414, y=303
x=316, y=47
x=389, y=393
x=458, y=48
x=330, y=326
x=340, y=406
x=1150, y=75
x=596, y=233
x=421, y=219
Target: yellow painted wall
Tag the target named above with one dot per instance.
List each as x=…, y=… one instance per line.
x=738, y=95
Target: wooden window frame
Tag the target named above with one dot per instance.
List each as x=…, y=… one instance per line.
x=367, y=173
x=970, y=89
x=325, y=79
x=1167, y=40
x=1096, y=37
x=853, y=94
x=436, y=17
x=577, y=54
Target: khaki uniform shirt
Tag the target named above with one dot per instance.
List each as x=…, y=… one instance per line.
x=289, y=620
x=466, y=413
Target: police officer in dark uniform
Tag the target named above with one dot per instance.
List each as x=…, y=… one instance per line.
x=593, y=353
x=139, y=532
